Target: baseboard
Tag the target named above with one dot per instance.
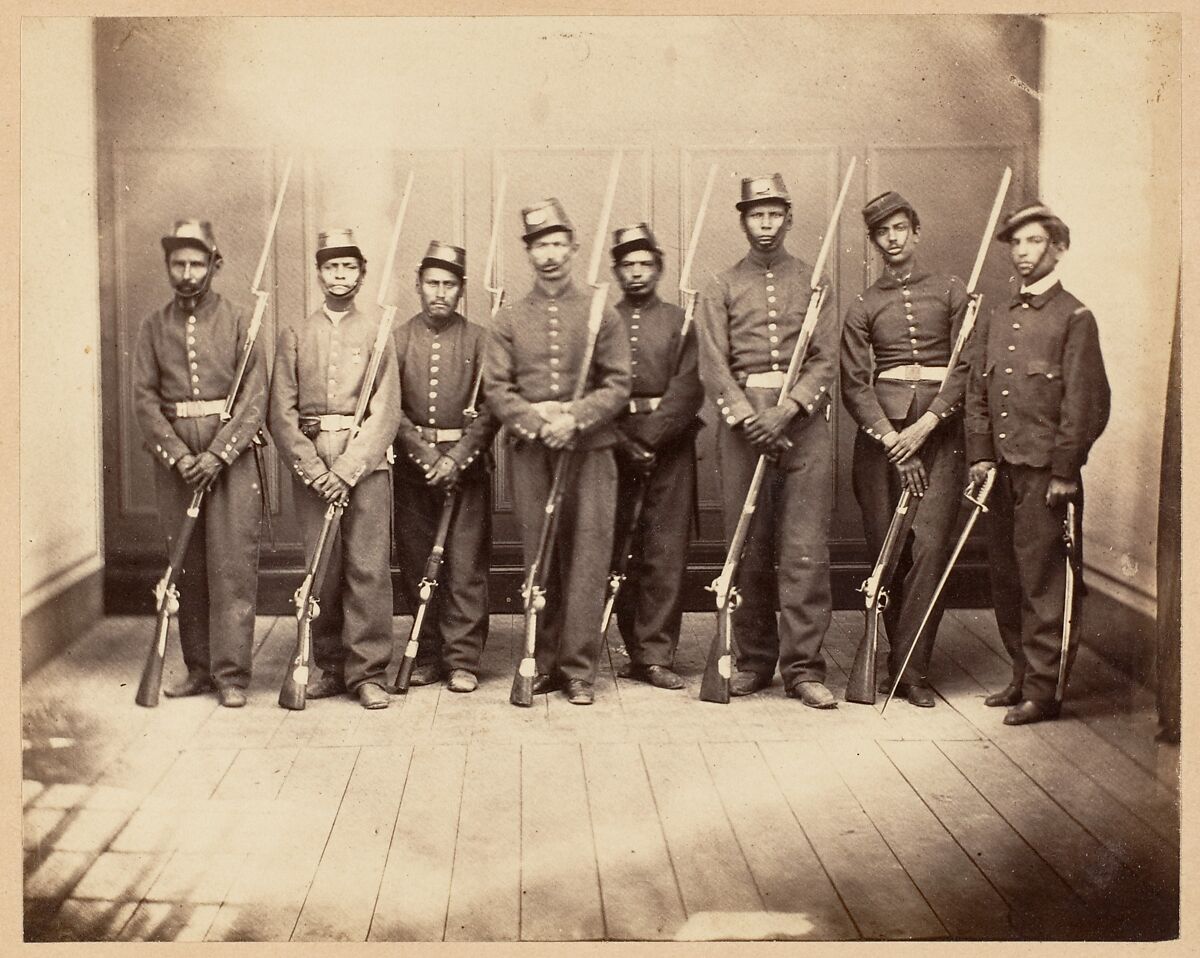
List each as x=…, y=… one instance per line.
x=1122, y=634
x=58, y=621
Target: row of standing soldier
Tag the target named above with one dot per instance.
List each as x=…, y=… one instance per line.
x=1024, y=403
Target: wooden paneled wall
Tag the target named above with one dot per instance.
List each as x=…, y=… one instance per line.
x=928, y=119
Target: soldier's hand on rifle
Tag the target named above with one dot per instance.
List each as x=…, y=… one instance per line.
x=1061, y=491
x=206, y=469
x=332, y=488
x=186, y=467
x=979, y=470
x=560, y=431
x=911, y=438
x=913, y=475
x=443, y=474
x=765, y=429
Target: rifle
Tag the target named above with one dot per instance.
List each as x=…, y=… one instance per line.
x=293, y=691
x=166, y=595
x=623, y=554
x=533, y=590
x=979, y=500
x=860, y=685
x=1072, y=544
x=433, y=565
x=718, y=670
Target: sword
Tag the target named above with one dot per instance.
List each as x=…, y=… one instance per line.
x=979, y=499
x=1072, y=544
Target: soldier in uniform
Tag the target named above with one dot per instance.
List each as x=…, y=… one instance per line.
x=530, y=370
x=655, y=449
x=184, y=365
x=748, y=320
x=1038, y=399
x=320, y=367
x=910, y=423
x=440, y=452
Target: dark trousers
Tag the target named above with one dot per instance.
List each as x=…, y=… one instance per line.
x=787, y=553
x=568, y=638
x=456, y=620
x=649, y=607
x=1028, y=560
x=924, y=556
x=218, y=583
x=352, y=637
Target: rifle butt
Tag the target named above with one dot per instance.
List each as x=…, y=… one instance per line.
x=860, y=683
x=522, y=687
x=293, y=693
x=714, y=687
x=151, y=683
x=404, y=675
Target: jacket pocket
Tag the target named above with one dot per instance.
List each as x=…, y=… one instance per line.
x=1040, y=367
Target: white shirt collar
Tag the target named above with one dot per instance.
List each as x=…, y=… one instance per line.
x=1043, y=284
x=335, y=318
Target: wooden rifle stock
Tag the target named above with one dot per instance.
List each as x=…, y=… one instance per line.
x=293, y=691
x=860, y=683
x=425, y=590
x=167, y=603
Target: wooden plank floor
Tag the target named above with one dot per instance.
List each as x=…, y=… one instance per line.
x=650, y=816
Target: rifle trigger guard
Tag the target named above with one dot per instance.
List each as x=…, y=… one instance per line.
x=425, y=589
x=166, y=596
x=882, y=597
x=735, y=599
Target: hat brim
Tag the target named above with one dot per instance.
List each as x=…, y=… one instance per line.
x=743, y=205
x=622, y=248
x=877, y=218
x=543, y=230
x=1004, y=234
x=433, y=262
x=172, y=243
x=333, y=252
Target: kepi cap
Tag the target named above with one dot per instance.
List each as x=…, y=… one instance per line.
x=1037, y=212
x=630, y=238
x=759, y=189
x=194, y=233
x=337, y=242
x=445, y=256
x=545, y=216
x=887, y=204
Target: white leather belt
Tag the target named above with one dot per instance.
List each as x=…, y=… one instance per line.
x=335, y=423
x=645, y=404
x=195, y=408
x=771, y=380
x=915, y=373
x=429, y=434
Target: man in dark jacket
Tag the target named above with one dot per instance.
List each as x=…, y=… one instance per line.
x=442, y=450
x=183, y=368
x=1037, y=401
x=656, y=457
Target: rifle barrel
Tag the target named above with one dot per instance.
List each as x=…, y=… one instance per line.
x=685, y=274
x=993, y=218
x=827, y=242
x=598, y=241
x=394, y=243
x=262, y=259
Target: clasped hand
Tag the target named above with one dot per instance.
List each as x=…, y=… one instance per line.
x=199, y=470
x=764, y=430
x=332, y=488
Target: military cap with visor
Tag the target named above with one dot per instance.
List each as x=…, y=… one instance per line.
x=630, y=238
x=197, y=234
x=888, y=204
x=338, y=242
x=1034, y=213
x=444, y=256
x=763, y=189
x=543, y=217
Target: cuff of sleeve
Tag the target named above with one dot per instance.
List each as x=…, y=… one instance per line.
x=309, y=472
x=527, y=425
x=734, y=409
x=1064, y=465
x=879, y=430
x=227, y=451
x=808, y=400
x=169, y=451
x=940, y=408
x=979, y=447
x=349, y=472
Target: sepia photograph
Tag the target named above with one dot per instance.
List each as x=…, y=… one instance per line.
x=604, y=478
